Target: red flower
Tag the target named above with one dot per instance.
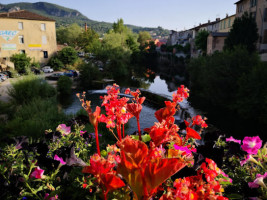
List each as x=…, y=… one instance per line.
x=191, y=133
x=144, y=171
x=165, y=113
x=134, y=109
x=102, y=169
x=181, y=94
x=197, y=120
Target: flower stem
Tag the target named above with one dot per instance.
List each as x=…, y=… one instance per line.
x=119, y=131
x=123, y=131
x=97, y=141
x=139, y=130
x=32, y=191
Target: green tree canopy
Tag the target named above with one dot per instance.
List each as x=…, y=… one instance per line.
x=68, y=56
x=89, y=40
x=201, y=40
x=119, y=26
x=69, y=34
x=244, y=32
x=143, y=37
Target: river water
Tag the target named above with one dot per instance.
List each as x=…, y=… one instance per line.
x=157, y=86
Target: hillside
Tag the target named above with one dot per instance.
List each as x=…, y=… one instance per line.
x=65, y=16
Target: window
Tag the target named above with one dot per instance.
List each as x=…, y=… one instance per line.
x=43, y=27
x=253, y=14
x=240, y=8
x=264, y=41
x=22, y=51
x=44, y=40
x=20, y=25
x=253, y=3
x=265, y=15
x=229, y=23
x=45, y=54
x=224, y=24
x=21, y=39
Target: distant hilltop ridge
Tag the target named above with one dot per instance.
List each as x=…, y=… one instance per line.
x=65, y=16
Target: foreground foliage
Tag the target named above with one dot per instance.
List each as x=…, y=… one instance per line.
x=149, y=165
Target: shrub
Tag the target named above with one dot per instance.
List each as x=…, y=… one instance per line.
x=55, y=63
x=67, y=56
x=35, y=64
x=28, y=88
x=21, y=62
x=64, y=85
x=88, y=73
x=34, y=117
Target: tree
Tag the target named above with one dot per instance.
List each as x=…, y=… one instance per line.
x=68, y=56
x=244, y=32
x=201, y=40
x=55, y=63
x=89, y=41
x=69, y=34
x=119, y=27
x=21, y=62
x=143, y=37
x=64, y=85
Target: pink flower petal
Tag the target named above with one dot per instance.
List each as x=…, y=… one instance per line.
x=231, y=139
x=59, y=159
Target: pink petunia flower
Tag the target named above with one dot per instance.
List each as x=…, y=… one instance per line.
x=181, y=148
x=63, y=129
x=51, y=198
x=231, y=139
x=37, y=173
x=249, y=158
x=82, y=132
x=251, y=144
x=59, y=159
x=258, y=181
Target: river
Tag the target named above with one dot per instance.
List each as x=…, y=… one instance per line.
x=157, y=86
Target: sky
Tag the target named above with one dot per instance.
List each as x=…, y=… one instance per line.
x=170, y=14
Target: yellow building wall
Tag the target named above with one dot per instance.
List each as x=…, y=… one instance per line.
x=34, y=45
x=226, y=24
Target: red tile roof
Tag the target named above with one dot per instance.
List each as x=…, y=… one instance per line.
x=24, y=14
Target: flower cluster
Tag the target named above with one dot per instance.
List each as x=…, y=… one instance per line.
x=145, y=168
x=198, y=187
x=254, y=162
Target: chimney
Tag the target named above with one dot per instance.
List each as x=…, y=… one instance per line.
x=217, y=19
x=208, y=21
x=85, y=27
x=226, y=15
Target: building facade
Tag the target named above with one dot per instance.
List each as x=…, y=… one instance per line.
x=258, y=9
x=26, y=32
x=215, y=42
x=226, y=23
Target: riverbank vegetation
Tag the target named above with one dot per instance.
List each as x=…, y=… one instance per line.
x=31, y=110
x=118, y=54
x=233, y=82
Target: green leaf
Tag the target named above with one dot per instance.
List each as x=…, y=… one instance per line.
x=234, y=196
x=146, y=138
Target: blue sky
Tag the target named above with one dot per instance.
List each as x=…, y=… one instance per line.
x=169, y=14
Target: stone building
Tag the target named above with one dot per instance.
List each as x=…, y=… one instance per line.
x=258, y=9
x=215, y=42
x=26, y=32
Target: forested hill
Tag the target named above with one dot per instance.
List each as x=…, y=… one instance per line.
x=65, y=16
